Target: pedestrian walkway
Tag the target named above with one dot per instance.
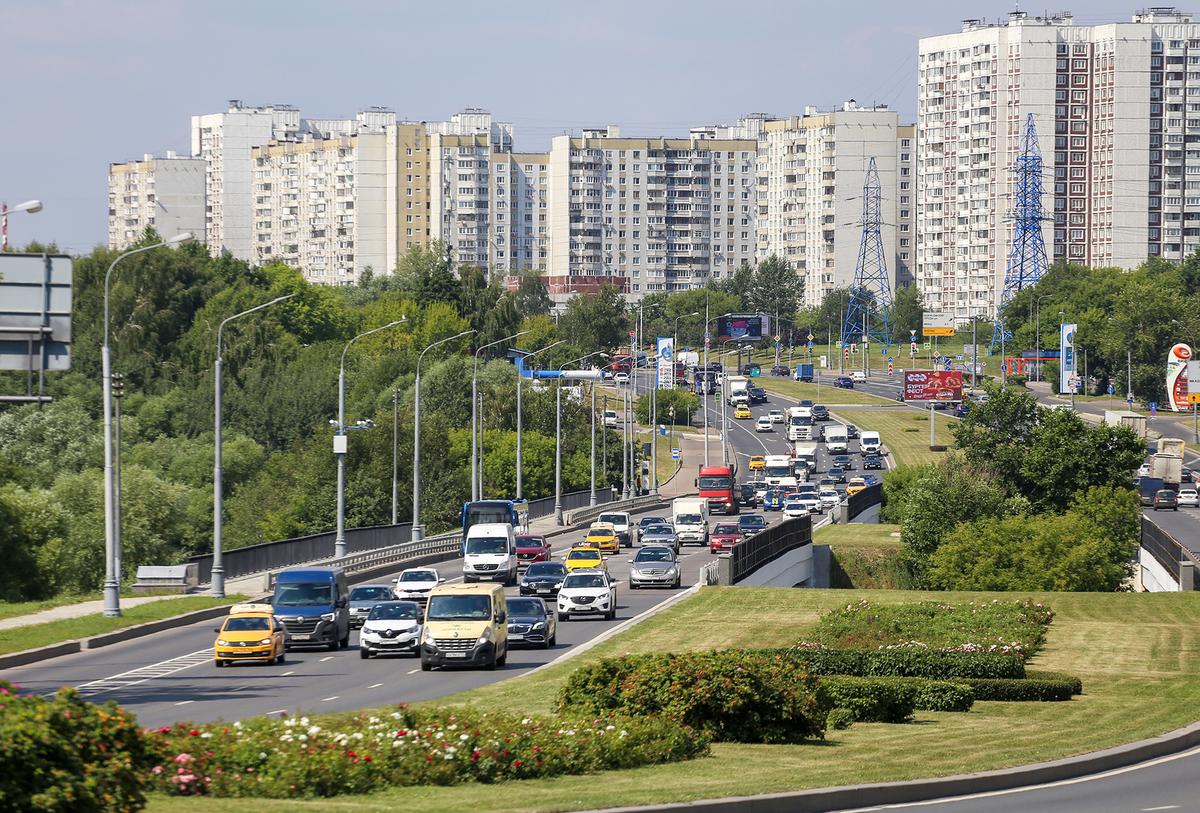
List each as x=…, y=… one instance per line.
x=74, y=611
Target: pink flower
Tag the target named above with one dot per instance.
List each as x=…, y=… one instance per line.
x=157, y=770
x=182, y=758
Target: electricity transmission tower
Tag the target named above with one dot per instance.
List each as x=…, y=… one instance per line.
x=869, y=313
x=1027, y=257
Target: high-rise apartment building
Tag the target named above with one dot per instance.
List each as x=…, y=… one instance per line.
x=648, y=214
x=166, y=194
x=811, y=170
x=520, y=214
x=1117, y=110
x=224, y=141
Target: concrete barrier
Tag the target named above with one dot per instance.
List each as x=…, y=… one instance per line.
x=792, y=569
x=40, y=654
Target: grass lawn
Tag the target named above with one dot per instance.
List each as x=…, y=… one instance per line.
x=829, y=394
x=666, y=466
x=859, y=535
x=864, y=556
x=69, y=629
x=905, y=432
x=11, y=609
x=1136, y=653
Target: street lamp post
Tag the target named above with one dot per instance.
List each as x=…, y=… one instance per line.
x=675, y=333
x=30, y=206
x=395, y=454
x=558, y=511
x=418, y=532
x=520, y=414
x=112, y=587
x=218, y=568
x=476, y=457
x=341, y=442
x=1037, y=334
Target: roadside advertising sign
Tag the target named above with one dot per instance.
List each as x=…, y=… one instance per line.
x=933, y=385
x=666, y=362
x=743, y=327
x=1179, y=377
x=937, y=324
x=1066, y=367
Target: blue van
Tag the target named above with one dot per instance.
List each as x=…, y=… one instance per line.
x=313, y=606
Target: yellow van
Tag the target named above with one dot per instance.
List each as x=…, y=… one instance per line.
x=465, y=624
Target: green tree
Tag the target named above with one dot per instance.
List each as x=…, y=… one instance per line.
x=776, y=289
x=425, y=272
x=739, y=284
x=596, y=321
x=532, y=295
x=908, y=310
x=682, y=404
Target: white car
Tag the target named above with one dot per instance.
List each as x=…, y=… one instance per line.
x=621, y=379
x=392, y=627
x=763, y=424
x=1189, y=496
x=610, y=419
x=829, y=498
x=777, y=416
x=1144, y=471
x=416, y=583
x=761, y=487
x=587, y=592
x=796, y=508
x=858, y=377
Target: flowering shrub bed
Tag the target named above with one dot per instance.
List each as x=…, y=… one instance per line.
x=327, y=756
x=65, y=754
x=733, y=695
x=997, y=627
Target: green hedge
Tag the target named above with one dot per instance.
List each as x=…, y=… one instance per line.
x=942, y=695
x=926, y=695
x=1028, y=689
x=65, y=754
x=1076, y=683
x=731, y=695
x=905, y=662
x=872, y=700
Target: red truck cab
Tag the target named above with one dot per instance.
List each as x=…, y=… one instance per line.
x=715, y=484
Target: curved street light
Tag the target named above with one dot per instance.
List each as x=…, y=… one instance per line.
x=520, y=413
x=476, y=457
x=558, y=512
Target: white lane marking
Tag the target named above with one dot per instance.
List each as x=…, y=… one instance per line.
x=141, y=674
x=327, y=699
x=278, y=711
x=326, y=658
x=413, y=671
x=1160, y=807
x=374, y=685
x=285, y=674
x=184, y=702
x=1191, y=752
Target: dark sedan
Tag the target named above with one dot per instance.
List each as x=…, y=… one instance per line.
x=781, y=369
x=543, y=579
x=844, y=382
x=646, y=522
x=757, y=395
x=820, y=412
x=530, y=623
x=836, y=474
x=872, y=461
x=851, y=431
x=747, y=496
x=843, y=461
x=1166, y=499
x=751, y=523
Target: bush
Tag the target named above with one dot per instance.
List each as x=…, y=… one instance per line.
x=942, y=695
x=872, y=700
x=328, y=756
x=65, y=755
x=1029, y=689
x=839, y=719
x=1076, y=683
x=732, y=695
x=906, y=662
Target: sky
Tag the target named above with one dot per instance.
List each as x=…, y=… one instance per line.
x=90, y=82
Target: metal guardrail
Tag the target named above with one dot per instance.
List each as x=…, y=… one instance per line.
x=1169, y=552
x=632, y=504
x=394, y=554
x=765, y=546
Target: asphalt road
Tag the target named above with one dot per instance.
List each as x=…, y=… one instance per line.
x=1168, y=783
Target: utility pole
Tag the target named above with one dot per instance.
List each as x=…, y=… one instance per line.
x=592, y=467
x=1129, y=375
x=395, y=454
x=118, y=391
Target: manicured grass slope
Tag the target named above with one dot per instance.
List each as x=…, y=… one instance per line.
x=905, y=432
x=827, y=395
x=1136, y=653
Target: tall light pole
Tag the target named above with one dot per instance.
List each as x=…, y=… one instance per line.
x=1037, y=333
x=675, y=333
x=704, y=394
x=395, y=454
x=341, y=442
x=558, y=512
x=30, y=206
x=218, y=569
x=417, y=531
x=476, y=458
x=112, y=587
x=520, y=415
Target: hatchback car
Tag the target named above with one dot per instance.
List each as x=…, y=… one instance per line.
x=655, y=566
x=587, y=592
x=777, y=416
x=363, y=598
x=1188, y=496
x=844, y=382
x=661, y=535
x=580, y=558
x=742, y=412
x=1165, y=499
x=724, y=536
x=530, y=623
x=391, y=627
x=532, y=548
x=415, y=584
x=757, y=462
x=763, y=424
x=751, y=523
x=820, y=412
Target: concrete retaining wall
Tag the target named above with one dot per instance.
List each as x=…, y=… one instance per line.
x=1155, y=578
x=789, y=570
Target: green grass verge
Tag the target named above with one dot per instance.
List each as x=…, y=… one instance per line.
x=666, y=466
x=69, y=629
x=828, y=394
x=12, y=609
x=905, y=432
x=863, y=556
x=1136, y=654
x=859, y=535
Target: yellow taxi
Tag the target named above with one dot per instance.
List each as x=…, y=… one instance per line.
x=581, y=558
x=742, y=412
x=757, y=462
x=249, y=633
x=603, y=535
x=855, y=485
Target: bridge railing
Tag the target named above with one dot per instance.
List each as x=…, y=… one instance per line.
x=764, y=547
x=1170, y=553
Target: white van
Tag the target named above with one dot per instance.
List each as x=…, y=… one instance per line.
x=869, y=442
x=836, y=439
x=490, y=553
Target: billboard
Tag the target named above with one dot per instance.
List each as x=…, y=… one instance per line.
x=937, y=324
x=1068, y=376
x=35, y=312
x=665, y=378
x=1177, y=377
x=933, y=385
x=743, y=327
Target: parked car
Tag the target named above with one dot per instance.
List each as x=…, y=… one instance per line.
x=724, y=536
x=655, y=566
x=781, y=369
x=763, y=424
x=529, y=622
x=844, y=382
x=587, y=592
x=392, y=627
x=747, y=496
x=751, y=523
x=1165, y=499
x=777, y=416
x=872, y=461
x=837, y=474
x=532, y=548
x=660, y=535
x=363, y=598
x=1189, y=496
x=543, y=579
x=820, y=412
x=415, y=584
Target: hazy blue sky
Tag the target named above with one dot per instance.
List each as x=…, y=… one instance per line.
x=87, y=82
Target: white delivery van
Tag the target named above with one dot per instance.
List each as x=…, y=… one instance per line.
x=800, y=423
x=490, y=553
x=836, y=439
x=778, y=470
x=738, y=386
x=690, y=518
x=806, y=453
x=869, y=442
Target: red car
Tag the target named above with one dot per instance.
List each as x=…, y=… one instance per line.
x=724, y=537
x=532, y=548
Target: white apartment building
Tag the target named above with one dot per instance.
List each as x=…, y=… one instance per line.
x=519, y=212
x=811, y=171
x=224, y=141
x=1117, y=109
x=166, y=194
x=647, y=214
x=321, y=199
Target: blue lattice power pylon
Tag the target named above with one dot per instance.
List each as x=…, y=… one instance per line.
x=1027, y=258
x=870, y=310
